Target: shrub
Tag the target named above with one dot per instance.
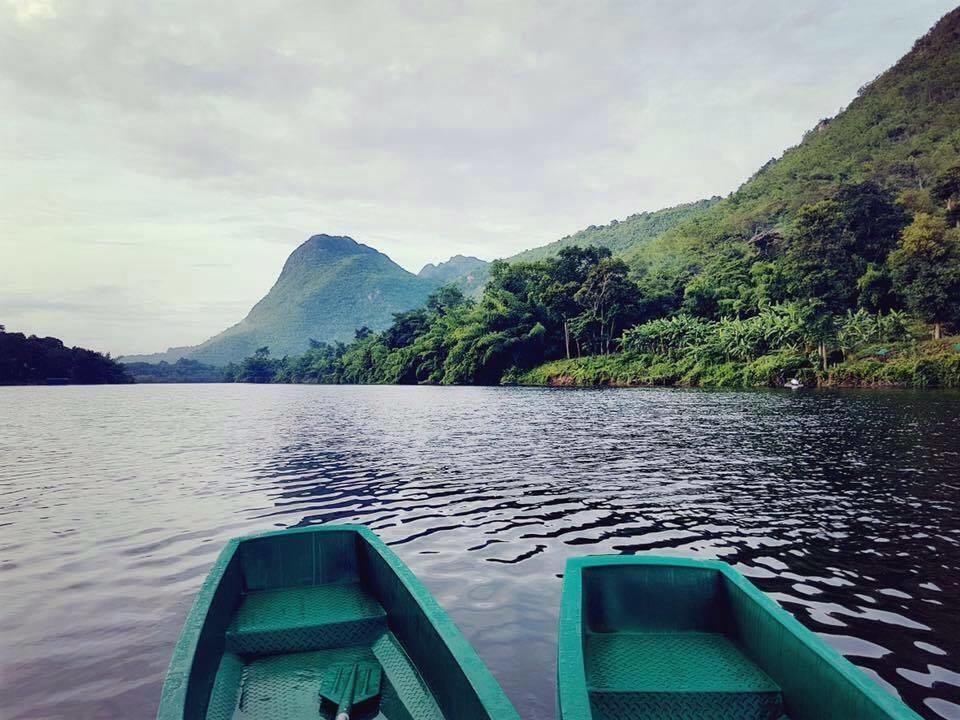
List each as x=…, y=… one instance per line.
x=775, y=369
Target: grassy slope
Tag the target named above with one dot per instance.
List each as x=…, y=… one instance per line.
x=901, y=130
x=621, y=236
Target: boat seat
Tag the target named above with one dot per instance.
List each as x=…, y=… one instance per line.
x=677, y=675
x=300, y=619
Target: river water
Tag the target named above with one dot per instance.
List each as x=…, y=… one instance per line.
x=114, y=501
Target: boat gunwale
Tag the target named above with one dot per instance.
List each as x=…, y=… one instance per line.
x=173, y=696
x=573, y=697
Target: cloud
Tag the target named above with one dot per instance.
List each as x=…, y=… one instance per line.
x=133, y=129
x=27, y=10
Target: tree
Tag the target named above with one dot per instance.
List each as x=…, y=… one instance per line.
x=723, y=287
x=405, y=328
x=875, y=289
x=609, y=301
x=873, y=219
x=820, y=267
x=32, y=360
x=443, y=300
x=567, y=273
x=926, y=269
x=258, y=368
x=946, y=189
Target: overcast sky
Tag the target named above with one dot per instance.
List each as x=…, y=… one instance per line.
x=161, y=159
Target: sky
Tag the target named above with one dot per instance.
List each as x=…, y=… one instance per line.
x=161, y=159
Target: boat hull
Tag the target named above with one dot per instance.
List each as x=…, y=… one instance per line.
x=281, y=612
x=670, y=638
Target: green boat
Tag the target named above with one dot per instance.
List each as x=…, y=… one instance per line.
x=322, y=622
x=670, y=638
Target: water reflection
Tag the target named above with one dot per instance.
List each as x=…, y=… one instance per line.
x=115, y=501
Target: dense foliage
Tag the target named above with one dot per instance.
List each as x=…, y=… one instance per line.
x=618, y=236
x=906, y=364
x=902, y=132
x=850, y=240
x=328, y=287
x=35, y=361
x=853, y=270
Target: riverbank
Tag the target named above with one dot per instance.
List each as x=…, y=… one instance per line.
x=928, y=364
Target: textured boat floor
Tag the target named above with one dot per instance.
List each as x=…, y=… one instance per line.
x=676, y=675
x=281, y=642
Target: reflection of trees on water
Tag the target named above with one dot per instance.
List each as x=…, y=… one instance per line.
x=840, y=504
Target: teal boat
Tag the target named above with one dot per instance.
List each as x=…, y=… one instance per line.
x=322, y=622
x=670, y=638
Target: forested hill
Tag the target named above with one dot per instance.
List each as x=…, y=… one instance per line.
x=839, y=263
x=901, y=132
x=328, y=288
x=621, y=236
x=618, y=236
x=453, y=268
x=36, y=361
x=466, y=272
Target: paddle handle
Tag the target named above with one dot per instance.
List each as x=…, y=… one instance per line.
x=346, y=702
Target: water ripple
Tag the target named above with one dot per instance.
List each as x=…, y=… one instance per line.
x=114, y=501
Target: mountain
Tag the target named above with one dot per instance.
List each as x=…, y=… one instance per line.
x=901, y=131
x=170, y=355
x=464, y=271
x=329, y=287
x=622, y=236
x=332, y=285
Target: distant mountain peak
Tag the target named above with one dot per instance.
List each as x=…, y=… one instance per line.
x=455, y=267
x=322, y=251
x=330, y=285
x=332, y=242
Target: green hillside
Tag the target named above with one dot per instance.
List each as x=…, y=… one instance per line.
x=621, y=236
x=902, y=131
x=329, y=287
x=838, y=264
x=465, y=272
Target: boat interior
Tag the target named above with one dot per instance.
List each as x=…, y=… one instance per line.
x=657, y=643
x=318, y=625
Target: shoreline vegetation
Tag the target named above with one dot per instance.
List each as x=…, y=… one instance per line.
x=932, y=364
x=32, y=360
x=858, y=289
x=908, y=364
x=581, y=318
x=837, y=264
